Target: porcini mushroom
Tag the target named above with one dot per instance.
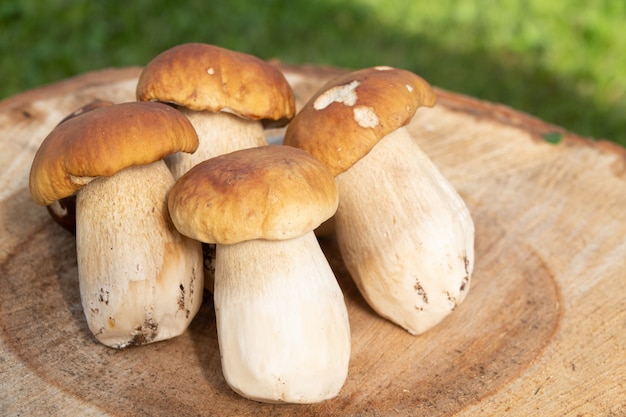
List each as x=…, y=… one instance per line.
x=282, y=323
x=140, y=280
x=405, y=234
x=227, y=95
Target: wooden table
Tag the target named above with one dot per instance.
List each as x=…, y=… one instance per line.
x=542, y=332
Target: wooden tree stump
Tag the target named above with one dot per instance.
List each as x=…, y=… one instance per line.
x=541, y=333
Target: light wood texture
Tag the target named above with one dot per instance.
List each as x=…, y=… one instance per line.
x=541, y=333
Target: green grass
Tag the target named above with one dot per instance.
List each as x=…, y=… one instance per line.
x=562, y=60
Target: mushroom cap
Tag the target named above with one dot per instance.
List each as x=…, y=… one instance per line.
x=104, y=141
x=347, y=117
x=271, y=192
x=205, y=77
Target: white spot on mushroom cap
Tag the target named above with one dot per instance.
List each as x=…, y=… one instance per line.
x=409, y=88
x=345, y=94
x=211, y=71
x=365, y=116
x=383, y=68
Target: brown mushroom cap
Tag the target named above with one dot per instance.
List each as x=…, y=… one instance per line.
x=349, y=115
x=204, y=77
x=271, y=192
x=104, y=141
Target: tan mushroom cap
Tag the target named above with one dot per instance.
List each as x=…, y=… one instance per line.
x=271, y=192
x=349, y=115
x=104, y=141
x=205, y=77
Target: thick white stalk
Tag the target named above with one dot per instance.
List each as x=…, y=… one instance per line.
x=140, y=280
x=282, y=323
x=218, y=134
x=405, y=234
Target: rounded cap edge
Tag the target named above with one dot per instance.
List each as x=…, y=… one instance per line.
x=104, y=141
x=349, y=115
x=204, y=77
x=271, y=192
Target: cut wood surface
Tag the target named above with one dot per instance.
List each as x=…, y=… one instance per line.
x=542, y=331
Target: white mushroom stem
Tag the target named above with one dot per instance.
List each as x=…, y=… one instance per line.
x=140, y=280
x=218, y=134
x=405, y=234
x=282, y=323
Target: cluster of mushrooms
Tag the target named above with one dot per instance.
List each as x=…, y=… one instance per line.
x=188, y=165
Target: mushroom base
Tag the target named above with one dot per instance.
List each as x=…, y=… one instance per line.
x=282, y=322
x=140, y=280
x=405, y=234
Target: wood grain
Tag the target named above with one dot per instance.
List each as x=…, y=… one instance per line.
x=540, y=333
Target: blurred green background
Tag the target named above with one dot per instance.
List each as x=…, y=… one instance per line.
x=561, y=60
